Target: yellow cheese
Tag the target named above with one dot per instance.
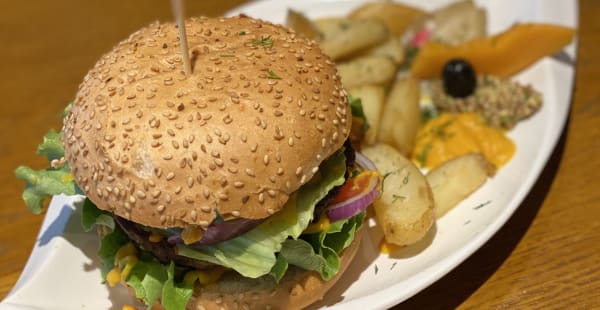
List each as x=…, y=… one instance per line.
x=191, y=234
x=155, y=237
x=113, y=277
x=128, y=307
x=205, y=277
x=125, y=260
x=320, y=226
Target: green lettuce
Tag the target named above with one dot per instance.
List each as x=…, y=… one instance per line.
x=253, y=254
x=357, y=111
x=41, y=184
x=149, y=278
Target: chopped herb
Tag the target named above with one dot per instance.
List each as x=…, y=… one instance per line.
x=272, y=75
x=263, y=41
x=376, y=269
x=423, y=156
x=467, y=222
x=393, y=265
x=243, y=32
x=405, y=180
x=383, y=179
x=428, y=113
x=396, y=197
x=482, y=205
x=227, y=55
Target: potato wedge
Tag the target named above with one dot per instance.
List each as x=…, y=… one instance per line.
x=456, y=179
x=456, y=23
x=401, y=115
x=302, y=25
x=405, y=209
x=392, y=49
x=372, y=97
x=396, y=16
x=366, y=70
x=343, y=36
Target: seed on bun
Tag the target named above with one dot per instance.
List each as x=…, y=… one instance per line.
x=261, y=110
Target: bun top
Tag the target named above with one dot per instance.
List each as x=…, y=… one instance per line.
x=260, y=111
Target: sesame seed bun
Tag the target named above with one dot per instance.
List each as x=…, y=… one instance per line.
x=251, y=124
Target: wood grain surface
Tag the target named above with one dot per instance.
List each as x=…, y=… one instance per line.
x=546, y=257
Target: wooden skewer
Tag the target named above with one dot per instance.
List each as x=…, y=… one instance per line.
x=177, y=6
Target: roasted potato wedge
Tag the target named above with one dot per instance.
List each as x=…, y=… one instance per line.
x=455, y=23
x=405, y=209
x=359, y=71
x=343, y=36
x=401, y=115
x=392, y=49
x=372, y=97
x=396, y=16
x=302, y=25
x=456, y=179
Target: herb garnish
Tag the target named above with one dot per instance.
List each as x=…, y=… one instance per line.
x=376, y=269
x=393, y=265
x=263, y=41
x=423, y=156
x=272, y=75
x=482, y=205
x=383, y=179
x=396, y=197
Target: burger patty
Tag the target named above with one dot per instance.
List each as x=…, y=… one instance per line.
x=166, y=252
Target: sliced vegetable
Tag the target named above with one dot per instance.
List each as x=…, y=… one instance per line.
x=501, y=55
x=355, y=196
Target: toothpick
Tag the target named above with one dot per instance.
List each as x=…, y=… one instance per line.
x=177, y=6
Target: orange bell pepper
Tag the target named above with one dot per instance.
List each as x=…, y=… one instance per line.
x=501, y=55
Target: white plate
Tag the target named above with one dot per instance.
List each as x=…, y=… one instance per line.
x=63, y=271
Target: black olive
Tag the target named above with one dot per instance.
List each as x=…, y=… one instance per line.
x=459, y=78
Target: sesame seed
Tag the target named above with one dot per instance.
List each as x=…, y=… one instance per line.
x=261, y=198
x=170, y=176
x=298, y=171
x=238, y=184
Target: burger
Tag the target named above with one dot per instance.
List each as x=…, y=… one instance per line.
x=232, y=187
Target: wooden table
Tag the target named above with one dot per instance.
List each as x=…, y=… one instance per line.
x=546, y=256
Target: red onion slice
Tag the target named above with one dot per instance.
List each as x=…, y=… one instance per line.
x=353, y=206
x=365, y=162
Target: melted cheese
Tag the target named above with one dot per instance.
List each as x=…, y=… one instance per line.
x=125, y=260
x=204, y=277
x=155, y=237
x=451, y=135
x=191, y=234
x=321, y=225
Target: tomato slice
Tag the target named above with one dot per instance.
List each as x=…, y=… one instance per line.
x=355, y=186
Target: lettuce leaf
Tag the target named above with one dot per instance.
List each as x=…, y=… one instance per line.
x=357, y=111
x=147, y=278
x=253, y=254
x=51, y=147
x=175, y=296
x=42, y=184
x=320, y=252
x=91, y=216
x=109, y=245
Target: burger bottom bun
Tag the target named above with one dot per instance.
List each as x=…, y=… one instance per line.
x=298, y=288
